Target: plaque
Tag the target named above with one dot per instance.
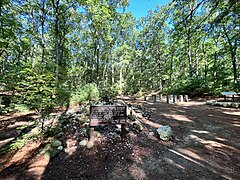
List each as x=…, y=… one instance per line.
x=107, y=114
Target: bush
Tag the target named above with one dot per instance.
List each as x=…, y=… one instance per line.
x=20, y=108
x=108, y=91
x=89, y=92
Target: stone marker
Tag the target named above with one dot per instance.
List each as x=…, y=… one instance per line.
x=107, y=114
x=154, y=97
x=174, y=98
x=160, y=96
x=180, y=98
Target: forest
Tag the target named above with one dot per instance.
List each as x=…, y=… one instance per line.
x=53, y=51
x=65, y=62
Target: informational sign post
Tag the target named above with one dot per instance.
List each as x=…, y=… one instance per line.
x=107, y=114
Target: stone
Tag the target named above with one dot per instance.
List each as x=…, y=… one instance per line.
x=60, y=148
x=137, y=126
x=47, y=155
x=151, y=133
x=165, y=133
x=46, y=147
x=83, y=142
x=56, y=143
x=90, y=144
x=235, y=105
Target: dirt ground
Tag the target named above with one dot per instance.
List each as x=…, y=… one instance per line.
x=206, y=145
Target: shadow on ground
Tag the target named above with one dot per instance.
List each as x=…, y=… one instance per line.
x=206, y=146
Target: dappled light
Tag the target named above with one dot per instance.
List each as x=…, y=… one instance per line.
x=178, y=117
x=119, y=90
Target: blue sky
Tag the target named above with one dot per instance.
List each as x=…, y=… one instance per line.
x=140, y=8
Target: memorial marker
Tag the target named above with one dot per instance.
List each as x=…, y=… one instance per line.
x=107, y=114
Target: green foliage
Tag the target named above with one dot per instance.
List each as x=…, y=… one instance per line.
x=86, y=93
x=108, y=91
x=20, y=107
x=63, y=96
x=194, y=86
x=37, y=90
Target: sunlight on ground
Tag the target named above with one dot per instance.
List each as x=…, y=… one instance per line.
x=137, y=172
x=221, y=139
x=20, y=123
x=186, y=157
x=190, y=103
x=237, y=125
x=22, y=155
x=177, y=117
x=150, y=123
x=200, y=132
x=170, y=161
x=210, y=143
x=38, y=167
x=5, y=141
x=232, y=113
x=15, y=115
x=194, y=158
x=190, y=153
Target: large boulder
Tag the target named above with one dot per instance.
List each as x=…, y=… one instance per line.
x=165, y=133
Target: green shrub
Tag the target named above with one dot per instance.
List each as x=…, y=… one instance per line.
x=88, y=92
x=21, y=108
x=108, y=91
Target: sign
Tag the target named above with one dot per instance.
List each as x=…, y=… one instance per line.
x=107, y=114
x=228, y=93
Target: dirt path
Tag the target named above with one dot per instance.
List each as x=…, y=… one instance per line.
x=206, y=146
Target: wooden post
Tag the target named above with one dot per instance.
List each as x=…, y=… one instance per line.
x=154, y=98
x=171, y=98
x=91, y=134
x=145, y=97
x=174, y=98
x=167, y=98
x=123, y=132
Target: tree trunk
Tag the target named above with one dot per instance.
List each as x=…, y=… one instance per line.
x=43, y=26
x=121, y=79
x=112, y=73
x=56, y=7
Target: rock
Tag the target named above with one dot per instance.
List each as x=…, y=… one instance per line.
x=137, y=125
x=90, y=144
x=235, y=105
x=46, y=148
x=60, y=148
x=227, y=104
x=151, y=133
x=212, y=102
x=70, y=150
x=56, y=143
x=83, y=142
x=47, y=155
x=165, y=133
x=54, y=153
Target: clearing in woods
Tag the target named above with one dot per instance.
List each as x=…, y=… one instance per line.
x=205, y=146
